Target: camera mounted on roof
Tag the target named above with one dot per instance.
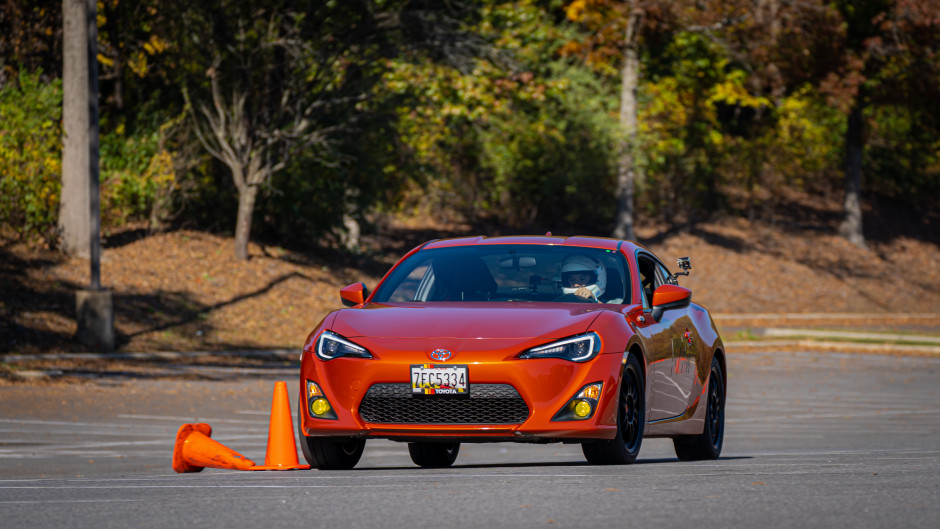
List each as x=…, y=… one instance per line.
x=685, y=264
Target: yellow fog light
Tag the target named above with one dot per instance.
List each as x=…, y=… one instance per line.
x=317, y=404
x=582, y=408
x=582, y=405
x=320, y=406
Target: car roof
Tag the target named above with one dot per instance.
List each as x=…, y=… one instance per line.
x=552, y=240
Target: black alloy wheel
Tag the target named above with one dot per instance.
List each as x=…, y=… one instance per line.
x=707, y=445
x=625, y=446
x=433, y=455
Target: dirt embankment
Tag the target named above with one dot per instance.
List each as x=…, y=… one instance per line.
x=184, y=290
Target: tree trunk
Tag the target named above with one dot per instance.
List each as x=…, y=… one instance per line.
x=246, y=207
x=350, y=237
x=74, y=214
x=851, y=227
x=626, y=176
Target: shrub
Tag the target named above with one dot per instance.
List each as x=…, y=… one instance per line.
x=30, y=155
x=138, y=176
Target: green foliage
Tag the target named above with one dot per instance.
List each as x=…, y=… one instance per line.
x=707, y=142
x=309, y=200
x=30, y=154
x=138, y=176
x=903, y=157
x=304, y=204
x=527, y=140
x=552, y=159
x=498, y=110
x=680, y=134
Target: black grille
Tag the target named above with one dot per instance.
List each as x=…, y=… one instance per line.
x=487, y=404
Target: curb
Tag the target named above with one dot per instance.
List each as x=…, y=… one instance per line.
x=170, y=369
x=279, y=354
x=827, y=316
x=876, y=337
x=834, y=347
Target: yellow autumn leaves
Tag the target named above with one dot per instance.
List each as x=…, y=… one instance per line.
x=137, y=173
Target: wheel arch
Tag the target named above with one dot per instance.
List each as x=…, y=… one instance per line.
x=719, y=354
x=636, y=350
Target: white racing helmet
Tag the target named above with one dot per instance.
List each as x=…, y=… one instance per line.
x=583, y=264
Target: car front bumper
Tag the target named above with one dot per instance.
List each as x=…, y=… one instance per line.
x=544, y=385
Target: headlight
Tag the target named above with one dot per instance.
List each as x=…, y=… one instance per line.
x=331, y=345
x=577, y=349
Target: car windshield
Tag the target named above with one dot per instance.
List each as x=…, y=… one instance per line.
x=508, y=273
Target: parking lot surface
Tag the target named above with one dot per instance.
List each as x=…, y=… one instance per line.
x=812, y=440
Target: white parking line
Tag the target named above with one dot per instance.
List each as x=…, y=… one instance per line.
x=190, y=419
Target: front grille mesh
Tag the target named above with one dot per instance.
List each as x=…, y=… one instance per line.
x=487, y=404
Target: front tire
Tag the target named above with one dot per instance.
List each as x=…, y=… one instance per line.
x=433, y=455
x=326, y=453
x=707, y=445
x=631, y=419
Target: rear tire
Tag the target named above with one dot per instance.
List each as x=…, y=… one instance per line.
x=707, y=445
x=433, y=455
x=631, y=419
x=326, y=453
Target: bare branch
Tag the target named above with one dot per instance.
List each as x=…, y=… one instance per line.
x=197, y=127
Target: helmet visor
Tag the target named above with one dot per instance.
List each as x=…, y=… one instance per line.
x=578, y=278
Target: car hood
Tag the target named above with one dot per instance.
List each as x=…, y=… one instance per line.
x=507, y=321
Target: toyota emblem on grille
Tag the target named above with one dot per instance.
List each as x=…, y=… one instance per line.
x=440, y=355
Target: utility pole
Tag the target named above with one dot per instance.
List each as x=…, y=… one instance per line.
x=80, y=168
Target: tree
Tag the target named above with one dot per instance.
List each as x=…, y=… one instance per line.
x=130, y=45
x=887, y=55
x=616, y=28
x=619, y=35
x=75, y=222
x=626, y=168
x=31, y=36
x=625, y=36
x=516, y=134
x=860, y=55
x=861, y=35
x=274, y=75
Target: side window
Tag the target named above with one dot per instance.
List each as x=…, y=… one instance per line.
x=647, y=280
x=652, y=276
x=662, y=275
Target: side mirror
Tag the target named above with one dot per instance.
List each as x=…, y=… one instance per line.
x=354, y=294
x=668, y=297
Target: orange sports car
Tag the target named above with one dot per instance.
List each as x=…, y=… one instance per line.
x=525, y=339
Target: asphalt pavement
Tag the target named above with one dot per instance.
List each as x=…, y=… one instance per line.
x=812, y=440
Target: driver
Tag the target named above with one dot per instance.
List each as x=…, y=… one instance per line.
x=583, y=276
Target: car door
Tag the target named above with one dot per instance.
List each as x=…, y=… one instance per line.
x=670, y=381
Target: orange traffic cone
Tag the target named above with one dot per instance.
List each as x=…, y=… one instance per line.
x=282, y=450
x=194, y=450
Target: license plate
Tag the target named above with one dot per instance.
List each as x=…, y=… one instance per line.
x=431, y=379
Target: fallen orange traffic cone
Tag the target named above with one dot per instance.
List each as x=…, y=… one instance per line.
x=194, y=450
x=282, y=450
